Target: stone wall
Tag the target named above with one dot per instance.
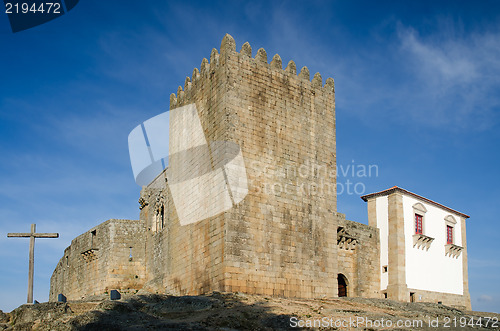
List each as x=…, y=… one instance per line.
x=453, y=300
x=358, y=256
x=109, y=256
x=281, y=239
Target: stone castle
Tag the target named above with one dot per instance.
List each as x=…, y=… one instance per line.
x=285, y=237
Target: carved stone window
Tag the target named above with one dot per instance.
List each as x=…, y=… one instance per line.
x=159, y=219
x=345, y=241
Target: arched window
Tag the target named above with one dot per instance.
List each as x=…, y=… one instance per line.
x=162, y=217
x=159, y=219
x=343, y=285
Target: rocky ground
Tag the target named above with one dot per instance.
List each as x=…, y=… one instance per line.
x=229, y=311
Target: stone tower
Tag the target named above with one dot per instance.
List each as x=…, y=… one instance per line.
x=281, y=238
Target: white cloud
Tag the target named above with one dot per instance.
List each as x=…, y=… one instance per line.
x=456, y=78
x=485, y=298
x=447, y=63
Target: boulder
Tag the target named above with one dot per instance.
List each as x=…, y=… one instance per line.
x=4, y=318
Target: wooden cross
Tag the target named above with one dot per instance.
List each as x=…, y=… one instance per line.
x=32, y=237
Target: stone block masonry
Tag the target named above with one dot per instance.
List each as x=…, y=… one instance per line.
x=359, y=259
x=280, y=240
x=110, y=256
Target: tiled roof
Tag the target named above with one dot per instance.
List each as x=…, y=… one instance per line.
x=402, y=190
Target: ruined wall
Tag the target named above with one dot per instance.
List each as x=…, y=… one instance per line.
x=455, y=300
x=359, y=257
x=99, y=260
x=281, y=239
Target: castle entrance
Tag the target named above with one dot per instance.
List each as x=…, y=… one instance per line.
x=342, y=281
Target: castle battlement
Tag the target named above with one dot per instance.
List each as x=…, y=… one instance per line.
x=227, y=50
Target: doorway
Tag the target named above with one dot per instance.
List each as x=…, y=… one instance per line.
x=343, y=284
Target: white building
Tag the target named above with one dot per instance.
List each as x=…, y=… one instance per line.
x=423, y=249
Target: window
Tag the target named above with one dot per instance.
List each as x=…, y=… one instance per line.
x=159, y=219
x=162, y=217
x=418, y=224
x=449, y=234
x=452, y=247
x=420, y=239
x=419, y=211
x=93, y=234
x=450, y=225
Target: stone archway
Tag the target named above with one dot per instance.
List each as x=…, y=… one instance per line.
x=343, y=285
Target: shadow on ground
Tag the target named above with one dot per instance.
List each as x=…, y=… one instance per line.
x=154, y=312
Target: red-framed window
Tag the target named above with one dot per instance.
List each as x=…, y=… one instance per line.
x=418, y=224
x=449, y=234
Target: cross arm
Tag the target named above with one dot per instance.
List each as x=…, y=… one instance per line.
x=36, y=235
x=46, y=235
x=18, y=235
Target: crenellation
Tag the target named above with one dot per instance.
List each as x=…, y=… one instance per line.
x=261, y=56
x=228, y=45
x=330, y=84
x=304, y=73
x=214, y=59
x=180, y=96
x=276, y=62
x=195, y=76
x=317, y=81
x=187, y=85
x=291, y=68
x=204, y=67
x=246, y=50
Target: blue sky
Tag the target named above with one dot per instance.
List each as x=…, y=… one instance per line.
x=417, y=95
